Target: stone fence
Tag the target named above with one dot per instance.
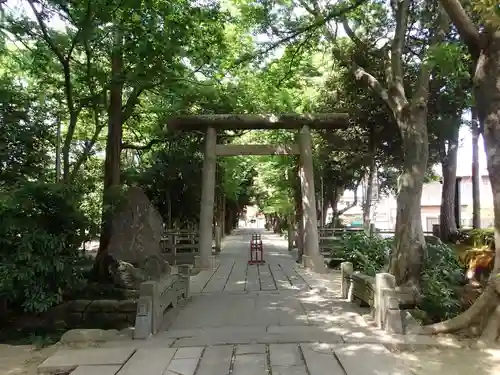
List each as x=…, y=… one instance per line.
x=84, y=313
x=156, y=297
x=389, y=304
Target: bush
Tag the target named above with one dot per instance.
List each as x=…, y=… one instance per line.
x=367, y=254
x=477, y=237
x=41, y=232
x=441, y=274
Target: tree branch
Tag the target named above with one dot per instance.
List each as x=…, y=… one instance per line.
x=147, y=146
x=466, y=28
x=132, y=101
x=421, y=95
x=80, y=29
x=356, y=40
x=354, y=202
x=45, y=34
x=359, y=73
x=401, y=14
x=88, y=148
x=373, y=84
x=319, y=22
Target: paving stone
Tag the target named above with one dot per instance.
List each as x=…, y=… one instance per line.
x=153, y=342
x=188, y=353
x=251, y=349
x=377, y=360
x=150, y=361
x=250, y=364
x=320, y=360
x=65, y=360
x=96, y=370
x=186, y=366
x=285, y=355
x=289, y=370
x=216, y=360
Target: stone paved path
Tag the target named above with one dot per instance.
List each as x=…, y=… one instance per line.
x=272, y=319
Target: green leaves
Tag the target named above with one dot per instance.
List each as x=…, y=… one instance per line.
x=42, y=229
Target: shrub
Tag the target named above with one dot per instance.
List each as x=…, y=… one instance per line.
x=41, y=232
x=442, y=273
x=367, y=254
x=478, y=237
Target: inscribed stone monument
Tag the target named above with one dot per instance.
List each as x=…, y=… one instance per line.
x=137, y=228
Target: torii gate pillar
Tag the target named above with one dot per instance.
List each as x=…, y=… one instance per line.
x=205, y=260
x=312, y=257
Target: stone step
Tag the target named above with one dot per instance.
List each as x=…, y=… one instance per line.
x=249, y=359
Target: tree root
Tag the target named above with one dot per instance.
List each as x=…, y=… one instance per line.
x=491, y=330
x=485, y=311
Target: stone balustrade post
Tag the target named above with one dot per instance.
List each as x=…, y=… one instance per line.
x=383, y=282
x=346, y=270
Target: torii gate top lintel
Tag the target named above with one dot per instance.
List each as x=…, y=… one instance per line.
x=269, y=121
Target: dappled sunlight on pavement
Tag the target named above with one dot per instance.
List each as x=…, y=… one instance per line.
x=282, y=319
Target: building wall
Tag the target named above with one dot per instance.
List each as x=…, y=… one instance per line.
x=384, y=210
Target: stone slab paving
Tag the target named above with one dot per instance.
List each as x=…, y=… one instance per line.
x=283, y=359
x=271, y=319
x=101, y=370
x=64, y=361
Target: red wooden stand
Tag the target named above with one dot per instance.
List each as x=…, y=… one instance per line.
x=256, y=251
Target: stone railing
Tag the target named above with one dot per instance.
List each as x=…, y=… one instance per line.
x=389, y=304
x=156, y=297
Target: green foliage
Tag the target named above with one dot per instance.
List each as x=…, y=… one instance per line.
x=478, y=237
x=42, y=229
x=442, y=272
x=368, y=254
x=172, y=179
x=25, y=138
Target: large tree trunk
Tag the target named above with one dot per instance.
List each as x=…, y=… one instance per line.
x=409, y=243
x=485, y=311
x=447, y=222
x=476, y=200
x=487, y=90
x=113, y=151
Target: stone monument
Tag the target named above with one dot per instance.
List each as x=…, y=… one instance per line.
x=137, y=228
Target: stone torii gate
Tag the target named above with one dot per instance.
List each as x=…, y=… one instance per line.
x=312, y=257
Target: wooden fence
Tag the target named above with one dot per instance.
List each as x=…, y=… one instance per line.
x=180, y=246
x=329, y=237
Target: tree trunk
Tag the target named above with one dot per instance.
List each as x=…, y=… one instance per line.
x=409, y=244
x=487, y=90
x=487, y=95
x=367, y=201
x=113, y=147
x=334, y=201
x=476, y=200
x=447, y=223
x=324, y=210
x=58, y=151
